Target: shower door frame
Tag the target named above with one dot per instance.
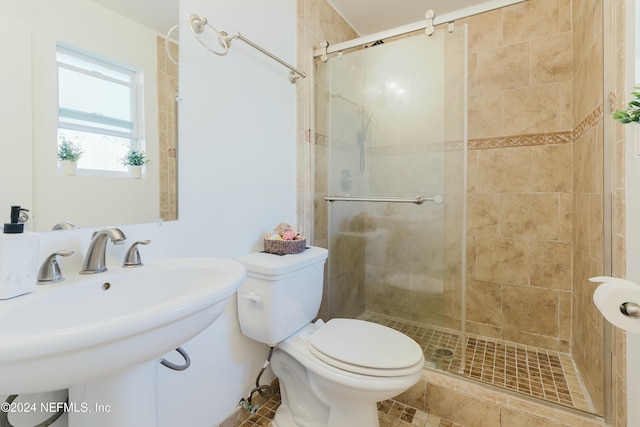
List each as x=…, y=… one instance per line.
x=460, y=311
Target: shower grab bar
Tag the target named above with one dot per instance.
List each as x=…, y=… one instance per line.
x=418, y=200
x=197, y=24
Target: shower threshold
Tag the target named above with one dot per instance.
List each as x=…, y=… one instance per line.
x=537, y=372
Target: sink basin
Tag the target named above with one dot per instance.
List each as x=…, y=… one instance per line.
x=91, y=327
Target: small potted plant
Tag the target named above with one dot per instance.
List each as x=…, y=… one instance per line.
x=134, y=160
x=632, y=113
x=69, y=153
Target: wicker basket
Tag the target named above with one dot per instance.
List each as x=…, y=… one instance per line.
x=285, y=247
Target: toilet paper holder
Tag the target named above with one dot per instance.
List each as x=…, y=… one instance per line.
x=630, y=309
x=619, y=302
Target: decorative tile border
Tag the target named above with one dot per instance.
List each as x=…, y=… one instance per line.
x=589, y=122
x=551, y=138
x=520, y=140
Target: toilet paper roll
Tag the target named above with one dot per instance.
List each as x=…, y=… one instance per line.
x=610, y=296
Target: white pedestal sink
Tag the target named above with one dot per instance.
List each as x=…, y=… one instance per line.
x=101, y=336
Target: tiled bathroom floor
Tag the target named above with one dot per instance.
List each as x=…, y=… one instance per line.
x=390, y=414
x=541, y=373
x=536, y=372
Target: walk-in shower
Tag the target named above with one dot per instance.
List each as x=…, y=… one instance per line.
x=389, y=139
x=409, y=233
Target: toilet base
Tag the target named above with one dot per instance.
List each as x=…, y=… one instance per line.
x=344, y=416
x=284, y=418
x=304, y=405
x=309, y=411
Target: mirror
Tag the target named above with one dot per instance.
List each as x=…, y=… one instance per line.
x=107, y=29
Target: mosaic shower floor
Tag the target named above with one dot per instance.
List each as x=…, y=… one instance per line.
x=541, y=373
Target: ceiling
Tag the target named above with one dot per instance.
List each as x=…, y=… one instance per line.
x=365, y=16
x=159, y=15
x=372, y=16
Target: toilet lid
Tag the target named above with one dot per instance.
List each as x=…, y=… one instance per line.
x=363, y=347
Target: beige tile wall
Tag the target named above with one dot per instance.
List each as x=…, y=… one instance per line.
x=167, y=76
x=535, y=193
x=587, y=346
x=520, y=183
x=619, y=380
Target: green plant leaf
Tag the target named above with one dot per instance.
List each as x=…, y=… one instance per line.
x=69, y=151
x=135, y=158
x=632, y=113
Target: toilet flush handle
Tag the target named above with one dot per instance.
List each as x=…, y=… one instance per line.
x=252, y=296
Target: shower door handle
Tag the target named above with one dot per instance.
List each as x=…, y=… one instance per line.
x=418, y=200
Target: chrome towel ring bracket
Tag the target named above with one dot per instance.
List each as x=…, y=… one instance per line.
x=198, y=23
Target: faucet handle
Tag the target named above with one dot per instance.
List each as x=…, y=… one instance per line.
x=132, y=257
x=50, y=269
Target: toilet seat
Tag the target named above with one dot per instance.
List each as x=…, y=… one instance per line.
x=365, y=348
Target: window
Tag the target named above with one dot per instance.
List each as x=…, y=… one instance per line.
x=97, y=108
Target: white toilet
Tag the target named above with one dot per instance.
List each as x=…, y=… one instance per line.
x=331, y=374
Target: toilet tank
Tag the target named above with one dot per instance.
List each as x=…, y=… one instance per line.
x=281, y=294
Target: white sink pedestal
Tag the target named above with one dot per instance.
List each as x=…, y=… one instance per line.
x=105, y=334
x=128, y=399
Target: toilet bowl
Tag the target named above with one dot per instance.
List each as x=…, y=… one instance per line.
x=341, y=390
x=331, y=374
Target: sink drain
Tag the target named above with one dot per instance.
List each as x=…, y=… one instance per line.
x=444, y=352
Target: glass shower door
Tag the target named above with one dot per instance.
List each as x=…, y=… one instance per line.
x=391, y=121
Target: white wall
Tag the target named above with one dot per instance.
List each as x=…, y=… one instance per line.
x=237, y=127
x=15, y=116
x=236, y=181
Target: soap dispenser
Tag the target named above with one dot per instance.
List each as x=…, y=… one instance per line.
x=18, y=256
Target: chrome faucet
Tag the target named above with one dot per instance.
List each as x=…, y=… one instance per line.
x=50, y=269
x=94, y=260
x=132, y=257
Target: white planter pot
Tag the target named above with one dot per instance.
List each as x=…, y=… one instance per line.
x=135, y=171
x=69, y=167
